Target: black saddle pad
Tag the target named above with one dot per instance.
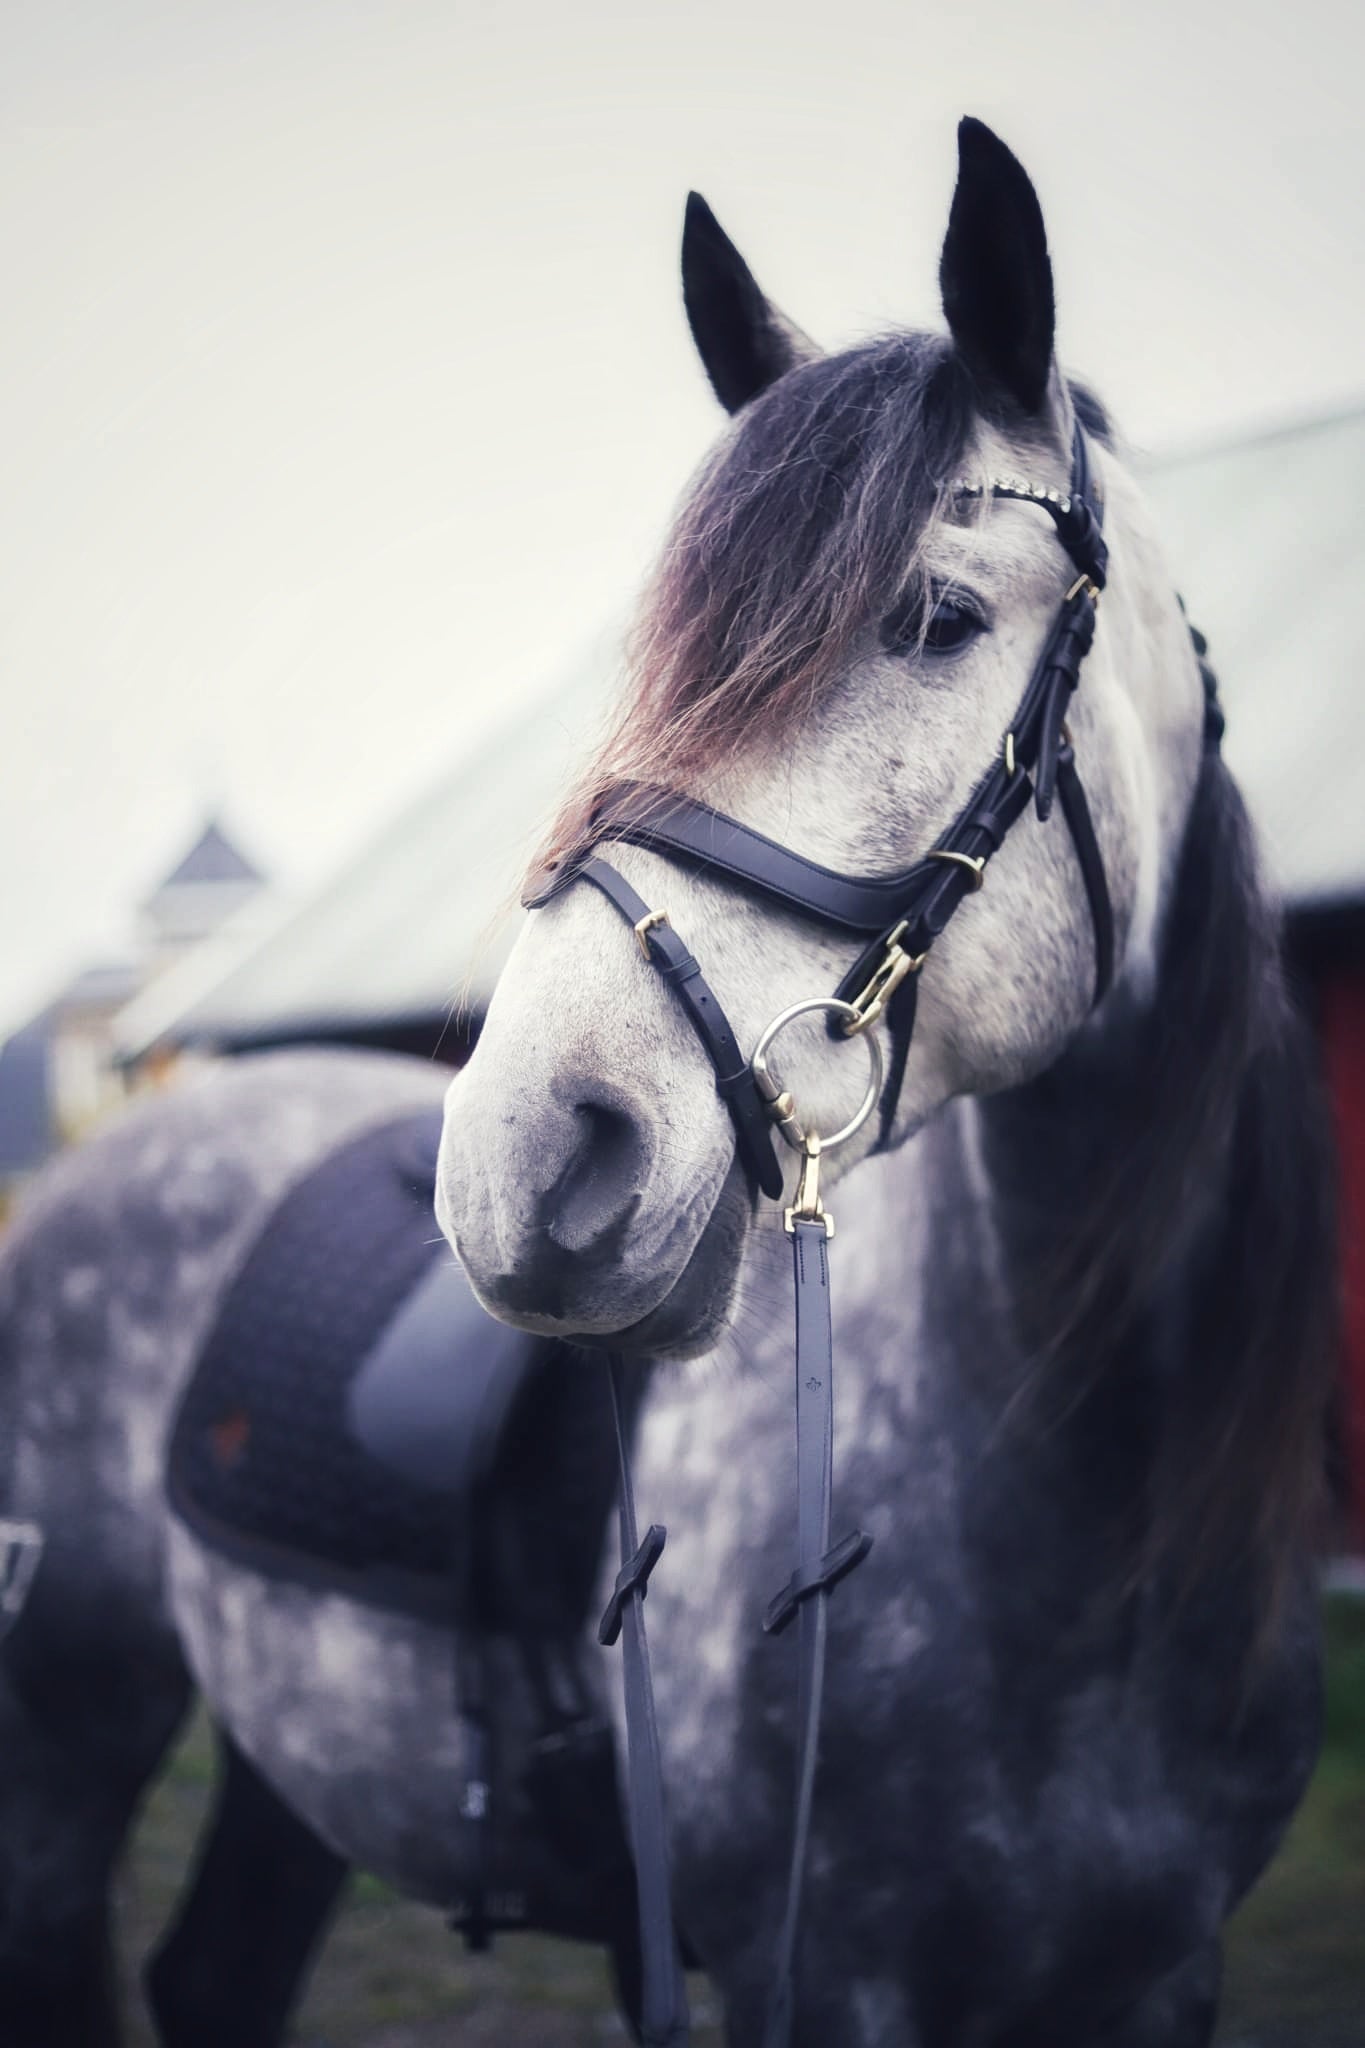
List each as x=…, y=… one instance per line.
x=356, y=1421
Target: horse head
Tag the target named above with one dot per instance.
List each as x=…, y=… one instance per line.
x=832, y=651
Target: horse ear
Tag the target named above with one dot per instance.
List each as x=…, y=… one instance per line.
x=744, y=342
x=995, y=273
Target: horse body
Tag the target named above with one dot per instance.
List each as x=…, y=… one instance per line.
x=109, y=1283
x=1079, y=1297
x=1039, y=1799
x=1081, y=1309
x=338, y=1719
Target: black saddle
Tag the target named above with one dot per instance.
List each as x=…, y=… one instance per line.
x=358, y=1424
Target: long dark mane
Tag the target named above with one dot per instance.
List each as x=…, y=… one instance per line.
x=1206, y=1237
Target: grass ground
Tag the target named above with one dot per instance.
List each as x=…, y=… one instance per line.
x=392, y=1977
x=1296, y=1951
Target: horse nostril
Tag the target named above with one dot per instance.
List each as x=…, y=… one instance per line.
x=599, y=1189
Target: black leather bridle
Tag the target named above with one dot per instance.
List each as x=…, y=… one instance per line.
x=897, y=918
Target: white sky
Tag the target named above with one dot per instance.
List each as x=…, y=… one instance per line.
x=344, y=383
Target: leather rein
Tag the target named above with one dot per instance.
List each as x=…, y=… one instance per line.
x=896, y=918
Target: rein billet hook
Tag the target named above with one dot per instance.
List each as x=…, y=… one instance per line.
x=807, y=1207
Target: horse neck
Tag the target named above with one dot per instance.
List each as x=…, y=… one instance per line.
x=1151, y=1218
x=1107, y=1171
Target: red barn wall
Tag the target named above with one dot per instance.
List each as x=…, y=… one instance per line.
x=1342, y=1013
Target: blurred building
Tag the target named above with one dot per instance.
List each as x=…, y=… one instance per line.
x=402, y=946
x=208, y=887
x=59, y=1072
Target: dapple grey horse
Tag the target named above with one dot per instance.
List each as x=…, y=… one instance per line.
x=1081, y=1293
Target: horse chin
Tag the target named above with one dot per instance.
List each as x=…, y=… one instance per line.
x=696, y=1308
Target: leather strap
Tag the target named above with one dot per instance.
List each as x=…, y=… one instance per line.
x=668, y=955
x=1076, y=811
x=1077, y=517
x=706, y=841
x=819, y=1567
x=663, y=2005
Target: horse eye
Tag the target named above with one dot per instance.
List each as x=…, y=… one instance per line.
x=949, y=627
x=932, y=624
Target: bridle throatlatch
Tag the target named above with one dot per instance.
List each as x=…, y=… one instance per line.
x=897, y=919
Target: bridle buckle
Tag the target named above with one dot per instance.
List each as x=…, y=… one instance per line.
x=886, y=978
x=645, y=926
x=807, y=1207
x=973, y=864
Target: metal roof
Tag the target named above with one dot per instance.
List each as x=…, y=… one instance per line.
x=1267, y=540
x=212, y=858
x=1268, y=537
x=410, y=929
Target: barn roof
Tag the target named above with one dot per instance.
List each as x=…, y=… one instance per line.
x=409, y=930
x=212, y=858
x=1268, y=540
x=1269, y=536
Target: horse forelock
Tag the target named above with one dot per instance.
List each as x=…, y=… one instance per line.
x=802, y=526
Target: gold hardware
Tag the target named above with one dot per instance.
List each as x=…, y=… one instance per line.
x=975, y=864
x=1088, y=585
x=887, y=977
x=647, y=924
x=778, y=1099
x=1009, y=753
x=782, y=1110
x=808, y=1208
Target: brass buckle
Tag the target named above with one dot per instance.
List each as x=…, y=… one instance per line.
x=974, y=863
x=869, y=1004
x=1088, y=585
x=647, y=924
x=808, y=1208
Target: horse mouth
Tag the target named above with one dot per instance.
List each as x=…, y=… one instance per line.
x=696, y=1309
